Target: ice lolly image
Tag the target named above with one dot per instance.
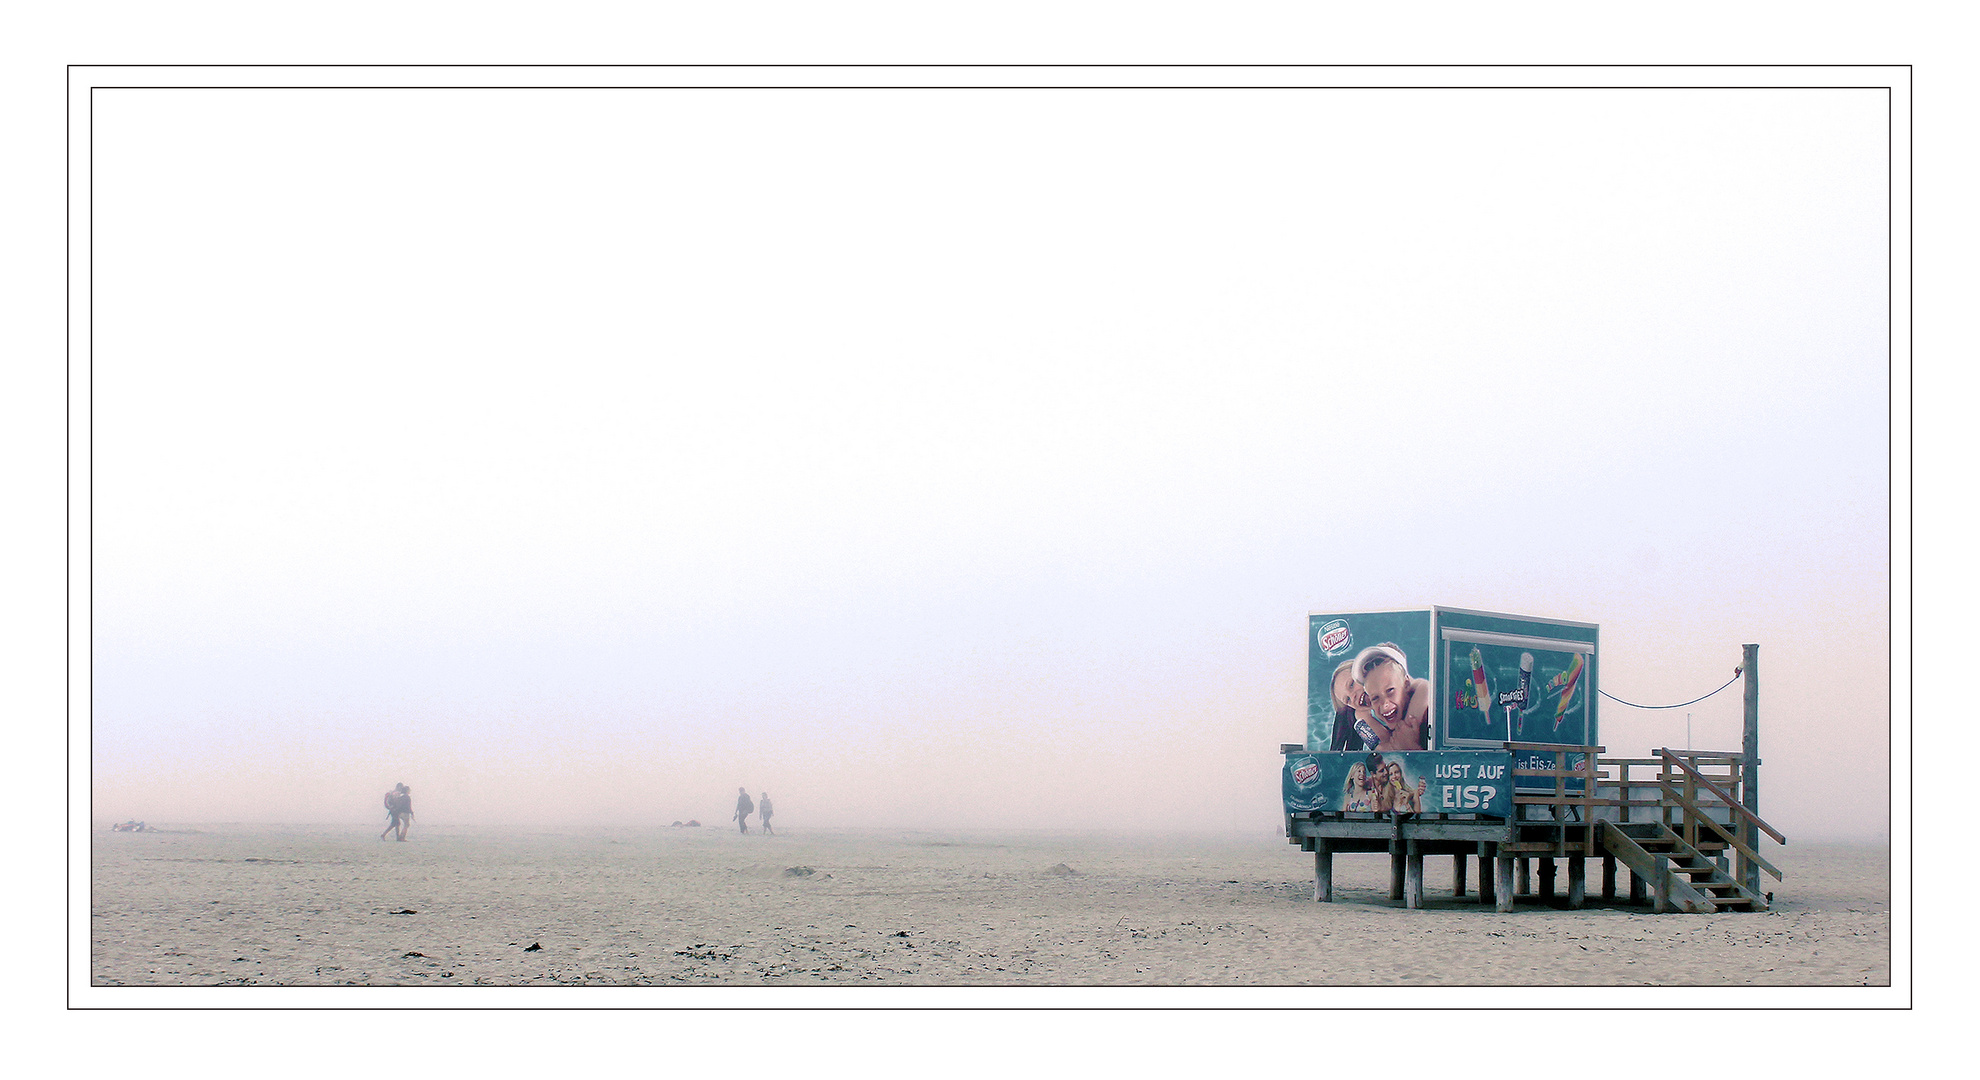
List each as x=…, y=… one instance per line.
x=1478, y=681
x=1565, y=682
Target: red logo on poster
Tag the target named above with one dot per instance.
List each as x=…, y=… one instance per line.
x=1305, y=773
x=1334, y=637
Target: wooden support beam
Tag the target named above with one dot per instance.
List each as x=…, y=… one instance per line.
x=1546, y=879
x=1577, y=881
x=1525, y=876
x=1502, y=883
x=1749, y=788
x=1397, y=858
x=1412, y=876
x=1487, y=887
x=1608, y=879
x=1457, y=875
x=1636, y=893
x=1323, y=871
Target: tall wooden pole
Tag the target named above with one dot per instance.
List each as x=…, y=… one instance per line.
x=1749, y=788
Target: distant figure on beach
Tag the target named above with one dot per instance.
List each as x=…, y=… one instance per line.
x=398, y=812
x=744, y=808
x=763, y=810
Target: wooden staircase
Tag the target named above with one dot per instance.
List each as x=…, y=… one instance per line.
x=1679, y=856
x=1681, y=877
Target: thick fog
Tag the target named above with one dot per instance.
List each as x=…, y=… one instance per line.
x=960, y=459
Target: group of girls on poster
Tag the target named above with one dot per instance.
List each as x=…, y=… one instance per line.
x=1381, y=787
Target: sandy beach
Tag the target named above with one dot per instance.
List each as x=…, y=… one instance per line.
x=201, y=905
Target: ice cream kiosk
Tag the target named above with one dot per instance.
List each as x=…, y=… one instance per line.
x=1441, y=730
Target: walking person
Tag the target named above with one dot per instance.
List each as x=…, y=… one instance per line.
x=744, y=808
x=405, y=810
x=391, y=812
x=763, y=810
x=398, y=812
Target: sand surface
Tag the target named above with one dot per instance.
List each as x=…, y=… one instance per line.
x=326, y=906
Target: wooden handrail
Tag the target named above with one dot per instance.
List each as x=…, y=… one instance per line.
x=1731, y=840
x=1702, y=779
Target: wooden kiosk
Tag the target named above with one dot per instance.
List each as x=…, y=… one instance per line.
x=1501, y=763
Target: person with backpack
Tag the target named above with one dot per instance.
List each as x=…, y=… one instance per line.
x=744, y=808
x=398, y=811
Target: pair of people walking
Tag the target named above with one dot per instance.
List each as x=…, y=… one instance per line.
x=744, y=808
x=398, y=812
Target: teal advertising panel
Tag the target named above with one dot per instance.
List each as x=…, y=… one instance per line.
x=1514, y=693
x=1514, y=678
x=1541, y=759
x=1421, y=782
x=1369, y=681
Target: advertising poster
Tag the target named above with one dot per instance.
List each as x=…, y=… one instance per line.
x=1447, y=782
x=1515, y=693
x=1368, y=685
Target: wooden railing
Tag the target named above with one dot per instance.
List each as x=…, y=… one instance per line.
x=1680, y=785
x=1581, y=803
x=1647, y=794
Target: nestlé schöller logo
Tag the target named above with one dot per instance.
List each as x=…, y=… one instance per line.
x=1335, y=639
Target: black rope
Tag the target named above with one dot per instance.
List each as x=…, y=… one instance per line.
x=1679, y=705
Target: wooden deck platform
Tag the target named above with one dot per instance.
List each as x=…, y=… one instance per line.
x=1674, y=833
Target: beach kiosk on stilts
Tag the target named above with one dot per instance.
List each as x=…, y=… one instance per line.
x=1444, y=731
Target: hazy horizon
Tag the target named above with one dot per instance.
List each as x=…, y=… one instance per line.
x=960, y=460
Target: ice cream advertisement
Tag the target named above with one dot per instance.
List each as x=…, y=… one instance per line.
x=1430, y=782
x=1515, y=693
x=1368, y=682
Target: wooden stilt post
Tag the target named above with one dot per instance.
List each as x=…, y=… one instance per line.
x=1487, y=888
x=1502, y=882
x=1636, y=895
x=1525, y=876
x=1546, y=879
x=1397, y=857
x=1323, y=871
x=1577, y=880
x=1749, y=795
x=1608, y=879
x=1412, y=876
x=1457, y=875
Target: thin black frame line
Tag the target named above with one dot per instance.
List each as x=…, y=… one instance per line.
x=1911, y=474
x=797, y=86
x=68, y=524
x=68, y=979
x=1045, y=66
x=1011, y=1008
x=1890, y=287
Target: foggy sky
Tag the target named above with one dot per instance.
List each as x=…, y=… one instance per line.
x=960, y=459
